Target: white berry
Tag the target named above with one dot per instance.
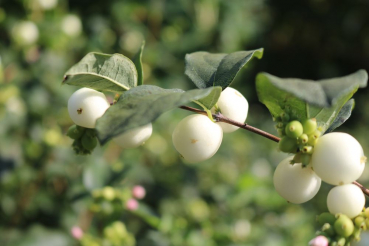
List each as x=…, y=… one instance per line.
x=71, y=25
x=338, y=158
x=85, y=106
x=197, y=138
x=233, y=105
x=135, y=137
x=347, y=199
x=25, y=33
x=295, y=183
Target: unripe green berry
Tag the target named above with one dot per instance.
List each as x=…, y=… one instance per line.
x=285, y=117
x=294, y=129
x=108, y=193
x=309, y=126
x=75, y=132
x=316, y=134
x=326, y=218
x=312, y=140
x=307, y=150
x=356, y=234
x=341, y=241
x=360, y=222
x=303, y=139
x=328, y=229
x=88, y=142
x=344, y=225
x=288, y=145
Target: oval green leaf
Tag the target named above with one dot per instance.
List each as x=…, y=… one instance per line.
x=103, y=72
x=142, y=105
x=207, y=69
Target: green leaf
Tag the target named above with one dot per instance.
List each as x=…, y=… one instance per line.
x=142, y=105
x=137, y=60
x=209, y=101
x=343, y=115
x=322, y=99
x=206, y=69
x=103, y=72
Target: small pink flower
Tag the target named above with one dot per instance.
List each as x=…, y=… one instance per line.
x=132, y=204
x=76, y=232
x=138, y=192
x=319, y=241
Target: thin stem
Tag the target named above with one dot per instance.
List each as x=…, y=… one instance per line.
x=221, y=118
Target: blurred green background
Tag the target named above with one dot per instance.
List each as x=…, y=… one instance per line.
x=45, y=189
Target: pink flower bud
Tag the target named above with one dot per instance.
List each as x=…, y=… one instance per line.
x=319, y=241
x=138, y=192
x=132, y=204
x=76, y=232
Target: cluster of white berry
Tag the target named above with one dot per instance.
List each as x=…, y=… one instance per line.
x=336, y=158
x=197, y=137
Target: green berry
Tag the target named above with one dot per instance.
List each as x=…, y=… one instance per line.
x=341, y=241
x=309, y=126
x=360, y=222
x=303, y=139
x=88, y=142
x=307, y=150
x=326, y=218
x=75, y=132
x=316, y=134
x=108, y=193
x=288, y=145
x=285, y=117
x=356, y=234
x=344, y=225
x=328, y=229
x=294, y=129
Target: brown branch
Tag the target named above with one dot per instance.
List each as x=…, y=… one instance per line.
x=221, y=118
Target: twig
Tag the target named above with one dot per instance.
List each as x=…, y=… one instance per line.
x=221, y=118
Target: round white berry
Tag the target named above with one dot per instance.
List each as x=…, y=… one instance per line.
x=197, y=138
x=347, y=199
x=295, y=183
x=71, y=25
x=338, y=158
x=233, y=105
x=135, y=137
x=85, y=106
x=25, y=33
x=47, y=4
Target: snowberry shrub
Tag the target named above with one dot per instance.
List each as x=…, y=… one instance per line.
x=197, y=138
x=86, y=105
x=338, y=158
x=303, y=109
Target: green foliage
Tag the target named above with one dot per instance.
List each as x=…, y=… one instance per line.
x=207, y=69
x=343, y=115
x=137, y=60
x=142, y=105
x=306, y=99
x=103, y=72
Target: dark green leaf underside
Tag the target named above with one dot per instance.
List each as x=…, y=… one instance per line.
x=321, y=99
x=207, y=70
x=343, y=115
x=142, y=105
x=103, y=72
